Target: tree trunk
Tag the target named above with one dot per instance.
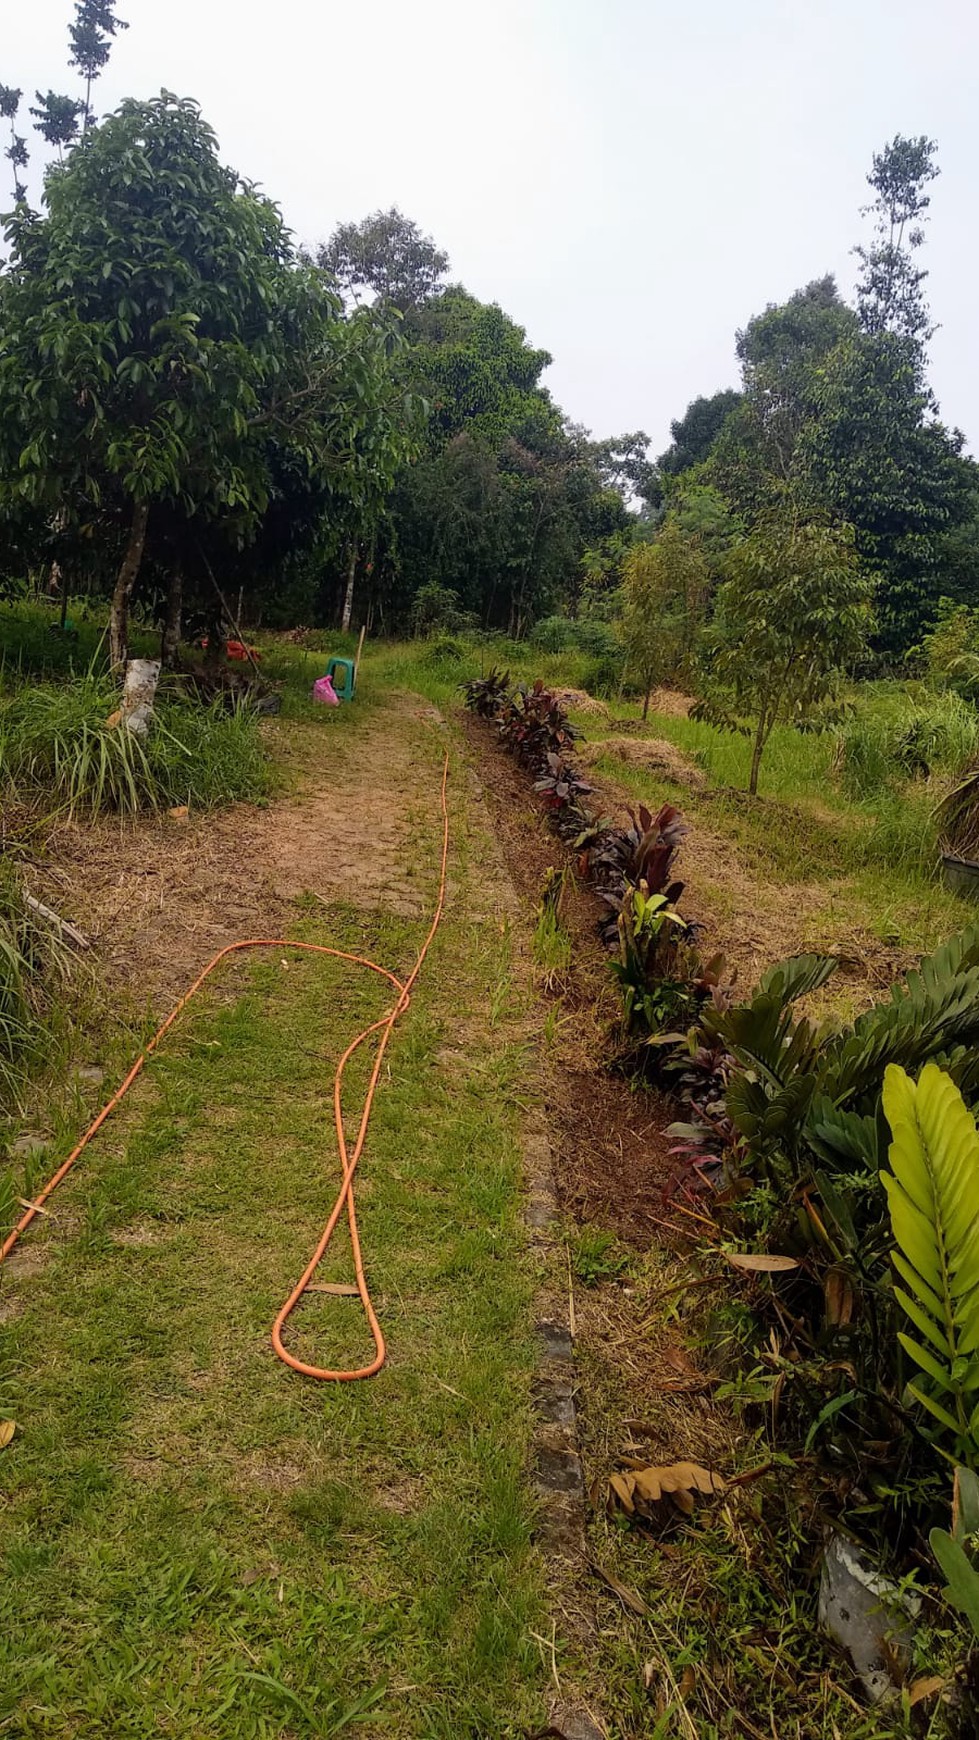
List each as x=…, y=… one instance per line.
x=348, y=599
x=128, y=570
x=645, y=702
x=759, y=745
x=170, y=638
x=215, y=640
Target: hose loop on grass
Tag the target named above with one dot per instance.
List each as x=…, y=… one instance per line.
x=348, y=1158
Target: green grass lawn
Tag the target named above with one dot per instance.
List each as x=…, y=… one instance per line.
x=194, y=1540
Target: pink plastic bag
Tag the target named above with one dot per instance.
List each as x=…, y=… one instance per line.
x=324, y=692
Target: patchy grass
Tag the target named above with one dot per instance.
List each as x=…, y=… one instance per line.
x=197, y=1541
x=781, y=843
x=728, y=1644
x=32, y=647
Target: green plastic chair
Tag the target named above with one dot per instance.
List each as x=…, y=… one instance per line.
x=343, y=675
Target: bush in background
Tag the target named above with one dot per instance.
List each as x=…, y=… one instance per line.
x=598, y=642
x=951, y=650
x=881, y=746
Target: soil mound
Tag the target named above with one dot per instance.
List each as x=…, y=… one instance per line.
x=579, y=701
x=652, y=753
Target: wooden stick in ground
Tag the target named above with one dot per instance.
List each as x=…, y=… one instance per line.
x=55, y=918
x=360, y=648
x=230, y=614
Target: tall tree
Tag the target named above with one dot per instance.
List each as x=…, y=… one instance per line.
x=91, y=43
x=506, y=495
x=878, y=460
x=695, y=433
x=890, y=296
x=624, y=464
x=155, y=335
x=782, y=352
x=16, y=151
x=56, y=119
x=387, y=255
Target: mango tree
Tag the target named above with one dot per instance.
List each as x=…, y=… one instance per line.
x=157, y=336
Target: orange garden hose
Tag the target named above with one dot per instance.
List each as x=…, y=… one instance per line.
x=348, y=1160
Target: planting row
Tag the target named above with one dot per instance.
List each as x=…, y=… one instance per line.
x=836, y=1163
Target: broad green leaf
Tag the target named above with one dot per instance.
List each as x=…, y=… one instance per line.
x=961, y=1577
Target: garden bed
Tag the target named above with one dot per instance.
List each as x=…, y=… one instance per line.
x=612, y=1156
x=755, y=1344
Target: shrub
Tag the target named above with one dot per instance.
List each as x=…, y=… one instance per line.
x=488, y=696
x=618, y=858
x=554, y=634
x=598, y=642
x=438, y=610
x=951, y=649
x=533, y=725
x=444, y=653
x=798, y=1112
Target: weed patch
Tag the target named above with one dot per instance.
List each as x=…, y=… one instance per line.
x=56, y=741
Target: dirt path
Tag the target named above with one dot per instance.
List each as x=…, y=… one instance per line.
x=158, y=897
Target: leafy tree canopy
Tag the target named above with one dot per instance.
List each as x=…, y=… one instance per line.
x=386, y=255
x=890, y=296
x=695, y=433
x=156, y=336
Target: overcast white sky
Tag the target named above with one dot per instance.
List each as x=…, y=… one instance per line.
x=630, y=179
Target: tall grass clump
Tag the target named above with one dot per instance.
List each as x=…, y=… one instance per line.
x=31, y=962
x=208, y=756
x=56, y=740
x=880, y=747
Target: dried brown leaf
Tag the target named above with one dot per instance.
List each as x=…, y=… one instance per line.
x=623, y=1485
x=925, y=1688
x=838, y=1292
x=7, y=1430
x=648, y=1484
x=758, y=1263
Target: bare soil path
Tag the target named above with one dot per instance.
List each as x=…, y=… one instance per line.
x=158, y=896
